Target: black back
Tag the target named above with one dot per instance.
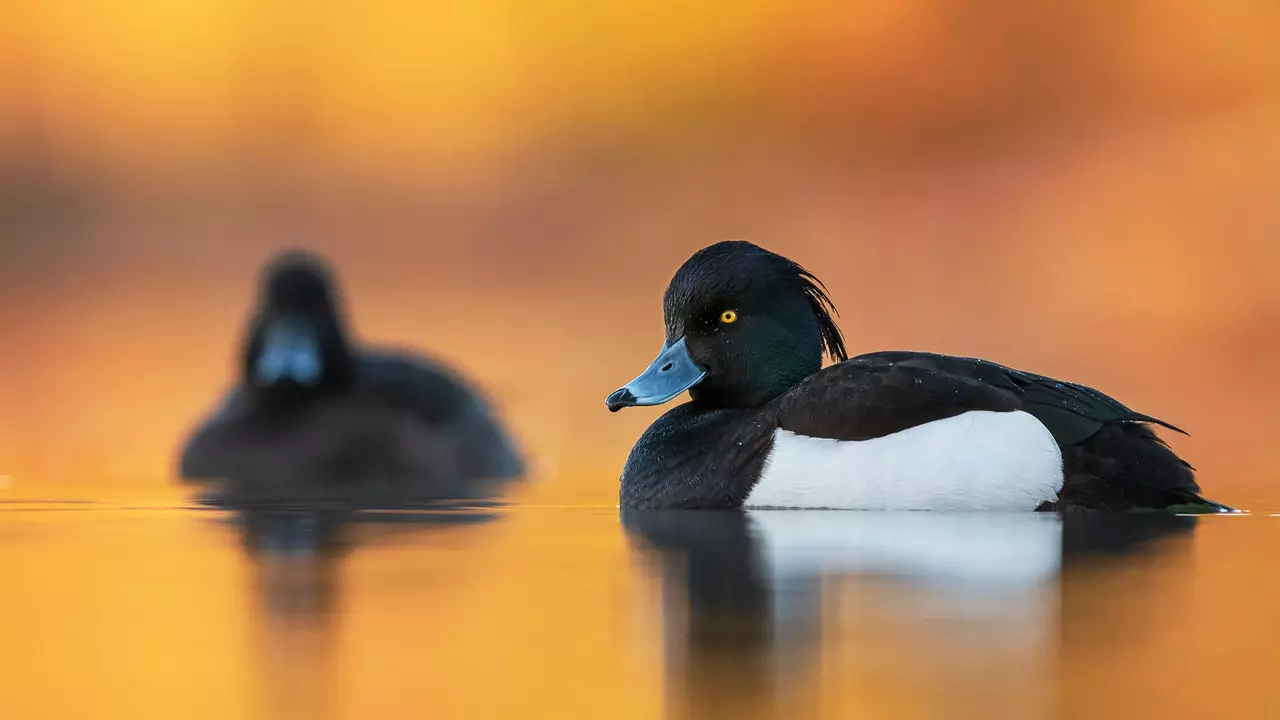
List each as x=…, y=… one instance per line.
x=1072, y=412
x=858, y=400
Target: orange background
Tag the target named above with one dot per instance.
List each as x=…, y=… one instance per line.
x=1084, y=190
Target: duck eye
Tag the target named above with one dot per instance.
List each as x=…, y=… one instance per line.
x=728, y=316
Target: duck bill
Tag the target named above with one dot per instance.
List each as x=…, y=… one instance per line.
x=290, y=352
x=670, y=374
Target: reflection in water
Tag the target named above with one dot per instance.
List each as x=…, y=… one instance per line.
x=964, y=606
x=722, y=634
x=295, y=629
x=296, y=558
x=277, y=531
x=135, y=612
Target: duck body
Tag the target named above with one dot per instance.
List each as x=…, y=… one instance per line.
x=898, y=430
x=894, y=431
x=409, y=431
x=316, y=420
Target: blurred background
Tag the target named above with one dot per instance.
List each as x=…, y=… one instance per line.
x=1087, y=190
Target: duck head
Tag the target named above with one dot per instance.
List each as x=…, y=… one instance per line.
x=296, y=345
x=743, y=326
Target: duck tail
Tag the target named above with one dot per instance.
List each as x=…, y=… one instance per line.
x=1125, y=466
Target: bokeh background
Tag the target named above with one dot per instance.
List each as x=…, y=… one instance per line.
x=1088, y=190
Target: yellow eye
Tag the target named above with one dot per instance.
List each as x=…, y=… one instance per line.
x=728, y=316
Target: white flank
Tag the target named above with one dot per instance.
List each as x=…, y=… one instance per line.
x=979, y=460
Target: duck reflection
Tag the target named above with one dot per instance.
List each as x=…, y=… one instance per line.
x=296, y=560
x=296, y=622
x=917, y=606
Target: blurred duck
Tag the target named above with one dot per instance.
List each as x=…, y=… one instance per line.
x=318, y=420
x=746, y=330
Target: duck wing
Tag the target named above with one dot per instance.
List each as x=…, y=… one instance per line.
x=1072, y=412
x=428, y=388
x=862, y=400
x=444, y=400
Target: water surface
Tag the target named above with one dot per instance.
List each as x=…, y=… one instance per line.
x=160, y=610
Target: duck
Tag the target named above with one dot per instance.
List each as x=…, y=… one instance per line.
x=316, y=419
x=766, y=426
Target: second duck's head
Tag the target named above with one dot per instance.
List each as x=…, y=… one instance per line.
x=743, y=326
x=296, y=346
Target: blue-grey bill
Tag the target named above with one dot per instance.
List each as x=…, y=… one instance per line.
x=670, y=374
x=290, y=351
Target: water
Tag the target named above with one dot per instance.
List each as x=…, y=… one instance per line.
x=133, y=611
